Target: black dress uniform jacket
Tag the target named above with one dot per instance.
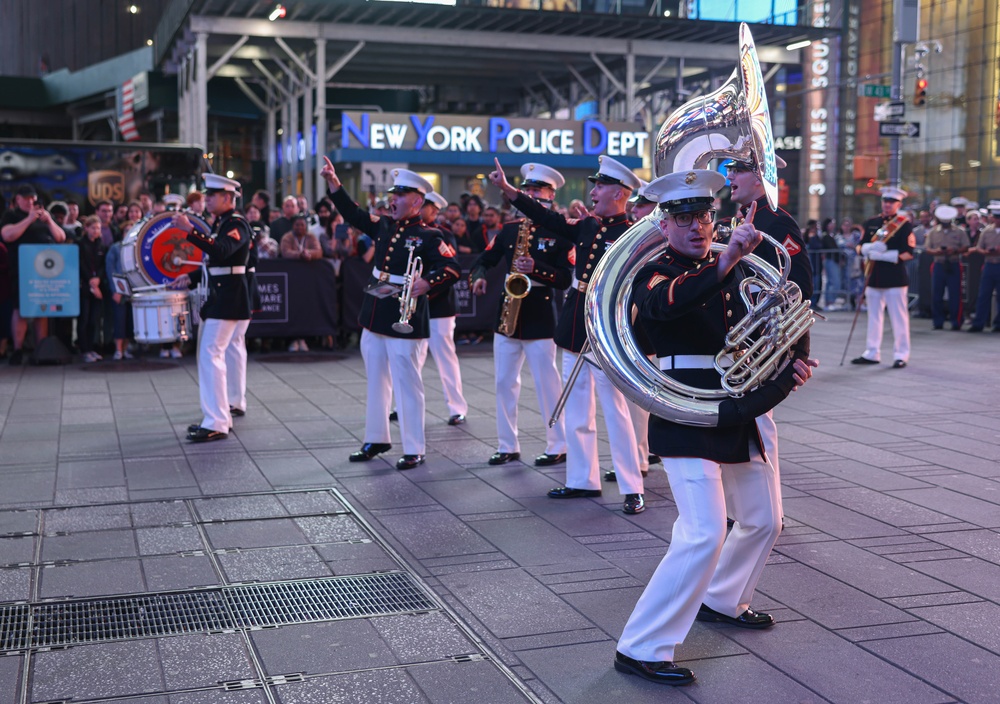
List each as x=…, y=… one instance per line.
x=228, y=245
x=887, y=274
x=592, y=237
x=686, y=310
x=390, y=238
x=553, y=259
x=441, y=299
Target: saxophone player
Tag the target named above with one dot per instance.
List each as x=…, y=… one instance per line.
x=393, y=358
x=525, y=325
x=688, y=299
x=613, y=186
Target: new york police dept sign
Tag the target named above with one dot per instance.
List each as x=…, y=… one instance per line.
x=490, y=135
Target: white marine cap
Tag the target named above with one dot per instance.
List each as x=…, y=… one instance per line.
x=214, y=182
x=945, y=213
x=972, y=205
x=960, y=202
x=894, y=193
x=613, y=172
x=639, y=197
x=436, y=199
x=685, y=191
x=404, y=180
x=175, y=200
x=535, y=174
x=994, y=208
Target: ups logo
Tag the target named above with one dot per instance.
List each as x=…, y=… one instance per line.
x=105, y=185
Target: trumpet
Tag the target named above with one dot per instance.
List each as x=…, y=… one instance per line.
x=407, y=303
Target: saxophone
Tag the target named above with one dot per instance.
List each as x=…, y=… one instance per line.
x=517, y=285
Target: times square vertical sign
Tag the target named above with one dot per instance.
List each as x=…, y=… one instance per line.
x=826, y=125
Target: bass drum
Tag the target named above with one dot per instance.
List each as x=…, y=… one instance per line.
x=152, y=248
x=164, y=316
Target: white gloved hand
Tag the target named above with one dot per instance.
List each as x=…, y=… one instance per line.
x=866, y=248
x=891, y=256
x=878, y=247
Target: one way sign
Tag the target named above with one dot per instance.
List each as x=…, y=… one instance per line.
x=899, y=129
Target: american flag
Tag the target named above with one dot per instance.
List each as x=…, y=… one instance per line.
x=126, y=120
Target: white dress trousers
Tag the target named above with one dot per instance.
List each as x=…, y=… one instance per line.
x=582, y=459
x=893, y=300
x=640, y=425
x=392, y=366
x=236, y=367
x=508, y=358
x=214, y=337
x=442, y=347
x=703, y=565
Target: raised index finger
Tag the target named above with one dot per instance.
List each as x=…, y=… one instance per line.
x=327, y=160
x=497, y=162
x=750, y=213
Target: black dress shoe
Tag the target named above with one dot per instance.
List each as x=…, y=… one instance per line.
x=898, y=364
x=863, y=360
x=610, y=475
x=456, y=419
x=194, y=428
x=409, y=461
x=655, y=459
x=747, y=619
x=369, y=450
x=567, y=492
x=634, y=504
x=548, y=460
x=239, y=413
x=504, y=457
x=394, y=416
x=661, y=672
x=206, y=435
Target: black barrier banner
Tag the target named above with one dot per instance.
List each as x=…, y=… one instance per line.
x=473, y=312
x=298, y=299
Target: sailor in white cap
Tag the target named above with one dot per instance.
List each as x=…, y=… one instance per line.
x=989, y=282
x=687, y=300
x=174, y=201
x=887, y=244
x=614, y=184
x=947, y=242
x=394, y=357
x=226, y=313
x=524, y=327
x=960, y=203
x=442, y=305
x=641, y=205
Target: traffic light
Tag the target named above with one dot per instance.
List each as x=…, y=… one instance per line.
x=920, y=92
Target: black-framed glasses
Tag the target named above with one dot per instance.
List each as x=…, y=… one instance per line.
x=685, y=219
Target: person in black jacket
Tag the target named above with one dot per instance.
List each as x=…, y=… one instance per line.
x=687, y=301
x=442, y=309
x=393, y=358
x=228, y=304
x=546, y=262
x=93, y=287
x=613, y=186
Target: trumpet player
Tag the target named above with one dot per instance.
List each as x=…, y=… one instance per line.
x=525, y=326
x=613, y=186
x=687, y=300
x=393, y=358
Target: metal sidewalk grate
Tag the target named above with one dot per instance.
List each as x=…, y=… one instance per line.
x=125, y=618
x=80, y=621
x=14, y=627
x=326, y=599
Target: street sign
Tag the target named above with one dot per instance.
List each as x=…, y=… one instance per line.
x=899, y=129
x=890, y=111
x=873, y=90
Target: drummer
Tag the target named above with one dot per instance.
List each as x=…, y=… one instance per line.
x=228, y=305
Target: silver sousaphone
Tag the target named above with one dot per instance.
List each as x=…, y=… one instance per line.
x=731, y=122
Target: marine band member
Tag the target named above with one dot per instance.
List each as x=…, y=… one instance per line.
x=687, y=301
x=947, y=242
x=547, y=264
x=227, y=311
x=613, y=185
x=393, y=359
